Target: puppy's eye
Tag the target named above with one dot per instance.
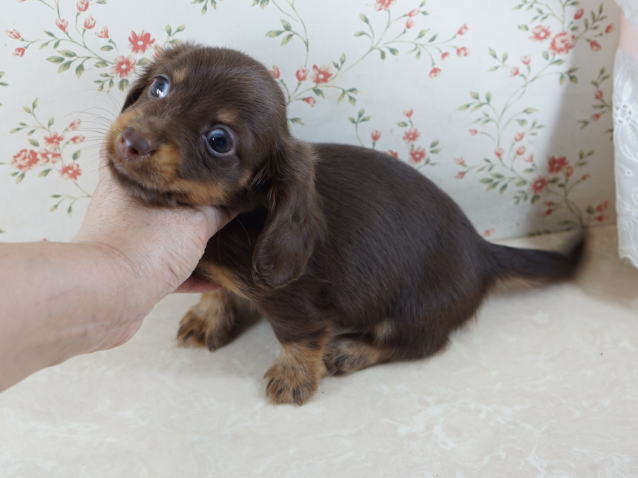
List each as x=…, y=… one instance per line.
x=160, y=87
x=220, y=141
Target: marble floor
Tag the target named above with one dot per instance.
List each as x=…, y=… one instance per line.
x=544, y=383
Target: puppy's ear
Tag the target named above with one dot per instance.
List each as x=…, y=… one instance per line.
x=295, y=222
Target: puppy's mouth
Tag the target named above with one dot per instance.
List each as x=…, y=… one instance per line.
x=147, y=194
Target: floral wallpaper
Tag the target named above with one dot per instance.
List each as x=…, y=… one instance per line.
x=506, y=105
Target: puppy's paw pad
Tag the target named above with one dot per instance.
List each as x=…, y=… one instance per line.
x=289, y=385
x=194, y=330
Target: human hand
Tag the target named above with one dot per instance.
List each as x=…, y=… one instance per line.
x=157, y=249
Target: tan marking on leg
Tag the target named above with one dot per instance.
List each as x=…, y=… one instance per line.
x=346, y=355
x=222, y=276
x=210, y=323
x=296, y=374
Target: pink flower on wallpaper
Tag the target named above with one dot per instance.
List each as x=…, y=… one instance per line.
x=301, y=74
x=460, y=161
x=579, y=14
x=413, y=13
x=25, y=159
x=411, y=135
x=473, y=132
x=540, y=33
x=526, y=60
x=19, y=51
x=321, y=75
x=62, y=24
x=74, y=125
x=375, y=135
x=82, y=5
x=556, y=165
x=408, y=113
x=521, y=151
x=49, y=157
x=394, y=154
x=140, y=42
x=530, y=159
x=462, y=51
x=460, y=174
x=594, y=45
x=515, y=71
x=601, y=218
x=498, y=152
x=409, y=23
x=603, y=206
x=310, y=100
x=14, y=34
x=417, y=155
x=89, y=23
x=562, y=43
x=595, y=116
x=124, y=66
x=435, y=72
x=463, y=30
x=445, y=55
x=77, y=139
x=539, y=184
x=569, y=171
x=519, y=136
x=103, y=33
x=54, y=140
x=610, y=28
x=71, y=171
x=383, y=4
x=585, y=177
x=599, y=95
x=275, y=72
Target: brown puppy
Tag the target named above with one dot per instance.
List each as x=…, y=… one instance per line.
x=352, y=256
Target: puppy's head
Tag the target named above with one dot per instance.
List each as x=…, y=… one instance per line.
x=197, y=127
x=207, y=126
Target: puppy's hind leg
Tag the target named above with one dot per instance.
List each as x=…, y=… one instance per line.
x=218, y=318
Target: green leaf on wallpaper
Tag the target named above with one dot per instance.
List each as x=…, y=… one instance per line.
x=19, y=178
x=143, y=62
x=360, y=34
x=34, y=104
x=34, y=142
x=402, y=124
x=393, y=51
x=56, y=196
x=106, y=48
x=475, y=95
x=27, y=109
x=296, y=120
x=529, y=111
x=286, y=25
x=49, y=33
x=79, y=70
x=352, y=100
x=50, y=122
x=45, y=172
x=69, y=209
x=433, y=38
x=123, y=84
x=76, y=155
x=1, y=231
x=101, y=64
x=168, y=30
x=287, y=38
x=421, y=34
x=382, y=54
x=65, y=66
x=318, y=92
x=55, y=59
x=493, y=54
x=364, y=19
x=54, y=207
x=68, y=53
x=273, y=33
x=523, y=28
x=180, y=29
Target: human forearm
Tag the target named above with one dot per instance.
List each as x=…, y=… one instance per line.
x=61, y=300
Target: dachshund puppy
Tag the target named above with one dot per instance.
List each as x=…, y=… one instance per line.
x=352, y=256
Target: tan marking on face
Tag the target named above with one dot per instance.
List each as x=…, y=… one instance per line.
x=180, y=74
x=228, y=116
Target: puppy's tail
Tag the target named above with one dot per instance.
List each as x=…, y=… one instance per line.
x=535, y=265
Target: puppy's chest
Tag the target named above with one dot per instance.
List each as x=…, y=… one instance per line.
x=228, y=257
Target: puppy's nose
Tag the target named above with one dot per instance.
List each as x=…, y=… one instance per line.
x=133, y=143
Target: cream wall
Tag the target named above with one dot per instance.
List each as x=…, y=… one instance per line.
x=482, y=111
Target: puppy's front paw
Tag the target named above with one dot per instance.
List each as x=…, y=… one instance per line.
x=289, y=384
x=197, y=329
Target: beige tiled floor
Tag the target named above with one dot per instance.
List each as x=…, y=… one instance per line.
x=545, y=383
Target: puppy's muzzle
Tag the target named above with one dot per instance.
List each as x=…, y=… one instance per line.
x=132, y=144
